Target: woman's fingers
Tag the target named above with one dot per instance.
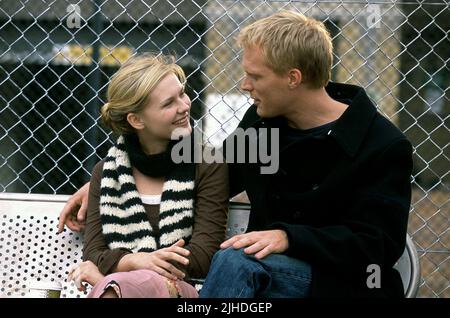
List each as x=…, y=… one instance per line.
x=72, y=270
x=78, y=283
x=177, y=247
x=166, y=274
x=178, y=258
x=180, y=242
x=172, y=256
x=174, y=272
x=179, y=250
x=163, y=268
x=79, y=273
x=75, y=275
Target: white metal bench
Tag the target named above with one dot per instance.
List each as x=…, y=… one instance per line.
x=30, y=249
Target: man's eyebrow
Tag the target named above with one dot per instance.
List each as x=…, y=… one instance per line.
x=251, y=73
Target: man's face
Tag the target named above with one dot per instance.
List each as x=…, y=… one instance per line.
x=268, y=89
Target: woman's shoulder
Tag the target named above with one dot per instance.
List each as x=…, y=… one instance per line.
x=97, y=171
x=98, y=166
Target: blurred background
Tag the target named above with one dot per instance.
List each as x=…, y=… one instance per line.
x=56, y=59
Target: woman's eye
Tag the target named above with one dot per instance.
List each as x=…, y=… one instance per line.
x=167, y=104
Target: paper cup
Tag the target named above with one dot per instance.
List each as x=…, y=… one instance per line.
x=45, y=289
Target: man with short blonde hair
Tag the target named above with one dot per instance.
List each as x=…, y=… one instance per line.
x=291, y=40
x=339, y=203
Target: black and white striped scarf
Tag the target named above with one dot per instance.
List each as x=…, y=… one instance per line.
x=124, y=220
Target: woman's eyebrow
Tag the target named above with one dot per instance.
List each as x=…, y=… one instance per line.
x=167, y=101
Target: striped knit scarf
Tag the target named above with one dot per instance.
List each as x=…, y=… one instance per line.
x=124, y=220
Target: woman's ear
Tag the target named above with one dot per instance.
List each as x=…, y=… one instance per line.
x=135, y=121
x=295, y=78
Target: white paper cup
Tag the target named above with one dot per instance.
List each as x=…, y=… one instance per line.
x=45, y=289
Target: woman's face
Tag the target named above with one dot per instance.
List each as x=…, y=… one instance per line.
x=168, y=109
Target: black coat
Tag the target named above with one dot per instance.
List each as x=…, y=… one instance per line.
x=343, y=198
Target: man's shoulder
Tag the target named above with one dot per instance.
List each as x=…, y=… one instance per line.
x=385, y=127
x=383, y=133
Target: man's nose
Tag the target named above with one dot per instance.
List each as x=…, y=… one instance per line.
x=245, y=84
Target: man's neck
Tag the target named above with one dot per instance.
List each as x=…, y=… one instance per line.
x=314, y=108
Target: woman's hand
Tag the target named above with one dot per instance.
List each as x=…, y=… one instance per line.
x=157, y=261
x=84, y=272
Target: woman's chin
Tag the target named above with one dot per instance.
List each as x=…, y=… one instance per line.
x=180, y=132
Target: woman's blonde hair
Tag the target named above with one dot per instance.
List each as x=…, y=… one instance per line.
x=291, y=40
x=130, y=87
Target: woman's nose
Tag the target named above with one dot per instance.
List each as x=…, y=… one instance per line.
x=185, y=105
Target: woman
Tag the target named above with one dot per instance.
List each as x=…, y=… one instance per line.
x=151, y=224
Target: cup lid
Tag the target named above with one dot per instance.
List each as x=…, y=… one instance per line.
x=40, y=284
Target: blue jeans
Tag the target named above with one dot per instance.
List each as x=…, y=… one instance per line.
x=234, y=274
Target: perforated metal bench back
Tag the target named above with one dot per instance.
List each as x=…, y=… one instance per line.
x=30, y=249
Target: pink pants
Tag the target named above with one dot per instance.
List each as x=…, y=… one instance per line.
x=142, y=284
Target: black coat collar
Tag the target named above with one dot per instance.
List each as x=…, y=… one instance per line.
x=351, y=128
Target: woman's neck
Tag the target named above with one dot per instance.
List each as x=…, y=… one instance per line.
x=152, y=147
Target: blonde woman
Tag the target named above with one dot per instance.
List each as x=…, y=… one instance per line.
x=151, y=224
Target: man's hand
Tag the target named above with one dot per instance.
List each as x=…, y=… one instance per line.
x=158, y=261
x=75, y=210
x=84, y=272
x=262, y=243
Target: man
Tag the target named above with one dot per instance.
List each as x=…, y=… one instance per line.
x=331, y=222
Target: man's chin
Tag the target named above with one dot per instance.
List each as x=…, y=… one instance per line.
x=261, y=113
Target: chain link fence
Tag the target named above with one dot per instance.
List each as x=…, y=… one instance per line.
x=56, y=58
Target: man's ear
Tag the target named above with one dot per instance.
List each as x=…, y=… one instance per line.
x=135, y=121
x=295, y=78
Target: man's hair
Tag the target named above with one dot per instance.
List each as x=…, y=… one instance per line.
x=291, y=40
x=130, y=87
